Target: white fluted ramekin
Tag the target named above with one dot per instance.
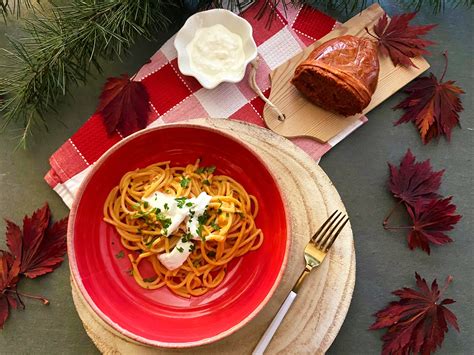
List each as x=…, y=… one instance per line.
x=233, y=23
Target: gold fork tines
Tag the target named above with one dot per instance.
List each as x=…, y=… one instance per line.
x=320, y=243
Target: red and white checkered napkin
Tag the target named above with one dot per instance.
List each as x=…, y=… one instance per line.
x=175, y=97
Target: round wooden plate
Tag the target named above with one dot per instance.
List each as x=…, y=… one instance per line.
x=321, y=306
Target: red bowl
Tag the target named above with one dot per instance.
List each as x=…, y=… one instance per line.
x=159, y=317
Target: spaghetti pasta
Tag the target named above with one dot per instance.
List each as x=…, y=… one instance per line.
x=185, y=221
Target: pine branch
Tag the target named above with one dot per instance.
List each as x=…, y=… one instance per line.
x=13, y=7
x=60, y=50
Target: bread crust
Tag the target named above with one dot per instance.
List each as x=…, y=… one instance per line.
x=340, y=75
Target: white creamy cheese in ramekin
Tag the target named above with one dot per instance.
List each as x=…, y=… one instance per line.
x=215, y=51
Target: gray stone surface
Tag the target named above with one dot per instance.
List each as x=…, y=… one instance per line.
x=357, y=166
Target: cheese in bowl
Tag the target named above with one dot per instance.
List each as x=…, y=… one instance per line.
x=216, y=52
x=215, y=46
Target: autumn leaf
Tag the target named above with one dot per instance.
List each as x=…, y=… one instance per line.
x=9, y=269
x=430, y=221
x=400, y=41
x=36, y=250
x=52, y=250
x=412, y=182
x=416, y=184
x=40, y=247
x=418, y=321
x=432, y=105
x=124, y=105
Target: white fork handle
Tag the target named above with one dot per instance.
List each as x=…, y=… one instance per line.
x=267, y=337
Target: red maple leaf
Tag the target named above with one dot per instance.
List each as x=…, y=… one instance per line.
x=35, y=251
x=124, y=105
x=418, y=322
x=9, y=269
x=430, y=221
x=40, y=247
x=416, y=184
x=397, y=39
x=412, y=182
x=432, y=105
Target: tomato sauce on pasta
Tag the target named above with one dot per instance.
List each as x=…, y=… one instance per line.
x=199, y=223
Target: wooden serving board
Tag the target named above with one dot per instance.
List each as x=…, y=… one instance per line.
x=308, y=120
x=321, y=306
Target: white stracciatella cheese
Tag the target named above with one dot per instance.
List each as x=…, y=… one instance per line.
x=178, y=210
x=216, y=52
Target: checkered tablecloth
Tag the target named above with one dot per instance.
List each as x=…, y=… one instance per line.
x=175, y=97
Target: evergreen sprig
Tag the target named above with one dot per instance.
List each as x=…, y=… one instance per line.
x=59, y=50
x=8, y=7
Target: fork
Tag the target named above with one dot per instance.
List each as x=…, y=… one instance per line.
x=314, y=254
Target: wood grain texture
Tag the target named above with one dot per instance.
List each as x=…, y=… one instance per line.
x=322, y=304
x=308, y=120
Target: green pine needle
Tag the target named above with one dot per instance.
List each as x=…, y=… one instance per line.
x=13, y=7
x=60, y=49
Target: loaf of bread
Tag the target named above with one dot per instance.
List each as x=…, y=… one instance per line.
x=340, y=75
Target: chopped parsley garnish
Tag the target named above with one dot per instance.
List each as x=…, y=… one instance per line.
x=241, y=214
x=215, y=226
x=165, y=221
x=180, y=249
x=211, y=254
x=120, y=254
x=206, y=182
x=149, y=279
x=185, y=182
x=202, y=219
x=199, y=232
x=181, y=201
x=211, y=169
x=145, y=204
x=192, y=247
x=130, y=272
x=189, y=204
x=206, y=169
x=219, y=209
x=186, y=238
x=191, y=213
x=136, y=206
x=149, y=243
x=166, y=207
